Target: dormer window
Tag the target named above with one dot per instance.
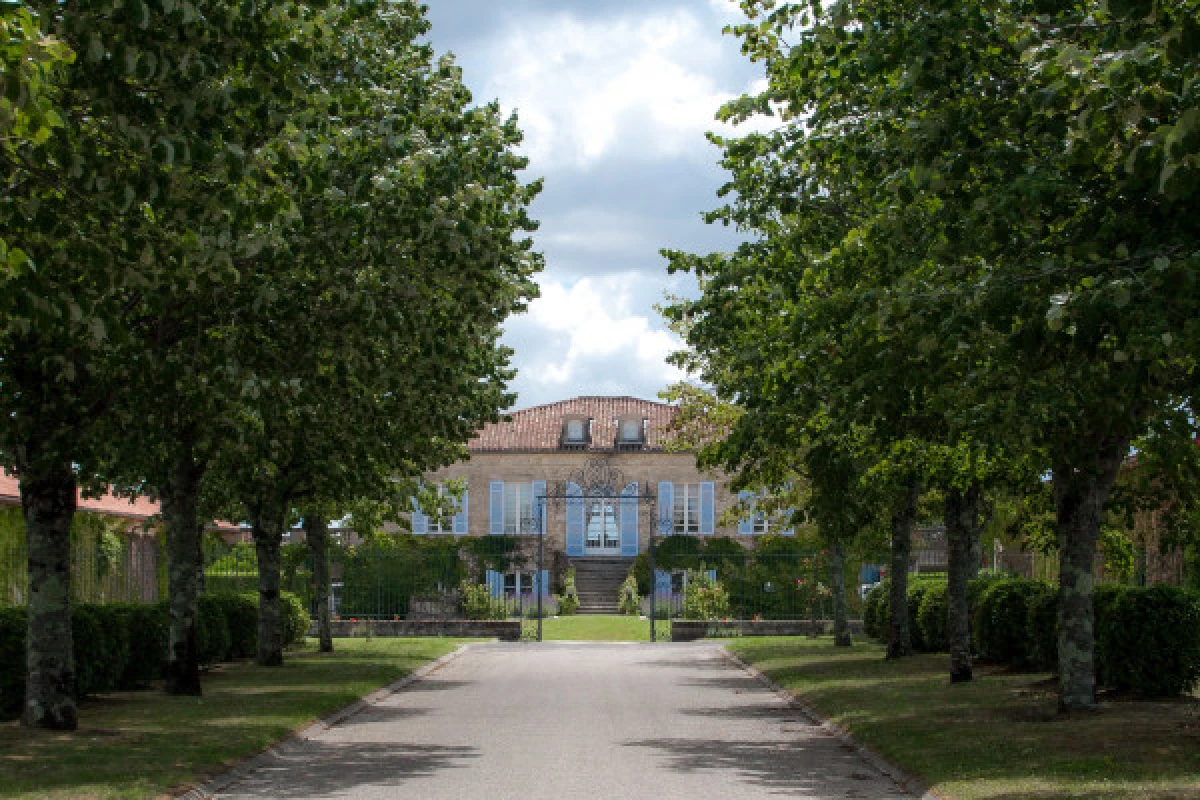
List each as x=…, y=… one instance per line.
x=631, y=431
x=576, y=432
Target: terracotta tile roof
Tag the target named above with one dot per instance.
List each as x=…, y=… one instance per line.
x=140, y=508
x=540, y=428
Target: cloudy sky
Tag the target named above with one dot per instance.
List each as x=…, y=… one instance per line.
x=614, y=97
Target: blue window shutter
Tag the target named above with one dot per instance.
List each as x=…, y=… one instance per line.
x=539, y=505
x=666, y=508
x=495, y=583
x=460, y=519
x=575, y=520
x=746, y=524
x=708, y=510
x=496, y=509
x=789, y=530
x=662, y=582
x=544, y=583
x=712, y=574
x=628, y=520
x=420, y=522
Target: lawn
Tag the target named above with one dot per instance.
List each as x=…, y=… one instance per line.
x=999, y=737
x=141, y=744
x=588, y=628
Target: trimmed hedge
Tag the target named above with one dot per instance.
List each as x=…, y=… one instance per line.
x=1001, y=623
x=933, y=618
x=1042, y=626
x=13, y=626
x=875, y=610
x=124, y=645
x=1148, y=640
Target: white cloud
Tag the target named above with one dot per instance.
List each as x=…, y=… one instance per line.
x=591, y=338
x=647, y=85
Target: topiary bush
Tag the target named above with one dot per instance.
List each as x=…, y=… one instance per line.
x=1148, y=640
x=933, y=617
x=148, y=628
x=1002, y=622
x=13, y=624
x=213, y=642
x=296, y=620
x=100, y=640
x=241, y=620
x=628, y=599
x=1042, y=628
x=876, y=612
x=568, y=601
x=916, y=593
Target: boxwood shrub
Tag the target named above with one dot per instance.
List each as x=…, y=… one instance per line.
x=13, y=625
x=933, y=617
x=1042, y=628
x=1001, y=629
x=295, y=619
x=100, y=640
x=1148, y=640
x=241, y=619
x=916, y=593
x=148, y=627
x=875, y=610
x=213, y=642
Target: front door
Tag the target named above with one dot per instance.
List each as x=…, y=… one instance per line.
x=603, y=538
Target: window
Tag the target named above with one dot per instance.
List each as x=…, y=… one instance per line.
x=760, y=523
x=518, y=508
x=629, y=430
x=687, y=508
x=518, y=583
x=576, y=431
x=438, y=524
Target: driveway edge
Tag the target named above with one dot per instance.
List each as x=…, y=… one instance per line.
x=909, y=783
x=222, y=781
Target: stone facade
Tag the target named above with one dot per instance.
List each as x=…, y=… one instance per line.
x=524, y=451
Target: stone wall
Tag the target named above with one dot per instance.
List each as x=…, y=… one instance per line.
x=505, y=630
x=687, y=630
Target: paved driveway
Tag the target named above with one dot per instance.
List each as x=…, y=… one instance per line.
x=555, y=721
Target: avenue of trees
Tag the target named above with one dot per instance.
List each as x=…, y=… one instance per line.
x=254, y=259
x=971, y=267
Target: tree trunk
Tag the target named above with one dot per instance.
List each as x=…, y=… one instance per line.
x=185, y=567
x=48, y=497
x=837, y=583
x=268, y=541
x=1079, y=497
x=316, y=532
x=904, y=516
x=962, y=530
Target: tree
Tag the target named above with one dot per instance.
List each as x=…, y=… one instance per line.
x=981, y=206
x=142, y=103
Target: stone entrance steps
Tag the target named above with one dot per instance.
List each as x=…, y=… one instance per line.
x=598, y=581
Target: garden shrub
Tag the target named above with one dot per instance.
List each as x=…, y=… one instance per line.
x=148, y=627
x=916, y=592
x=933, y=617
x=1148, y=640
x=876, y=611
x=1002, y=622
x=1042, y=627
x=704, y=598
x=241, y=620
x=478, y=603
x=13, y=625
x=568, y=601
x=628, y=599
x=296, y=620
x=213, y=642
x=100, y=641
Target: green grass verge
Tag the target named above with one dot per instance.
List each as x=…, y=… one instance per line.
x=588, y=628
x=142, y=744
x=998, y=737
